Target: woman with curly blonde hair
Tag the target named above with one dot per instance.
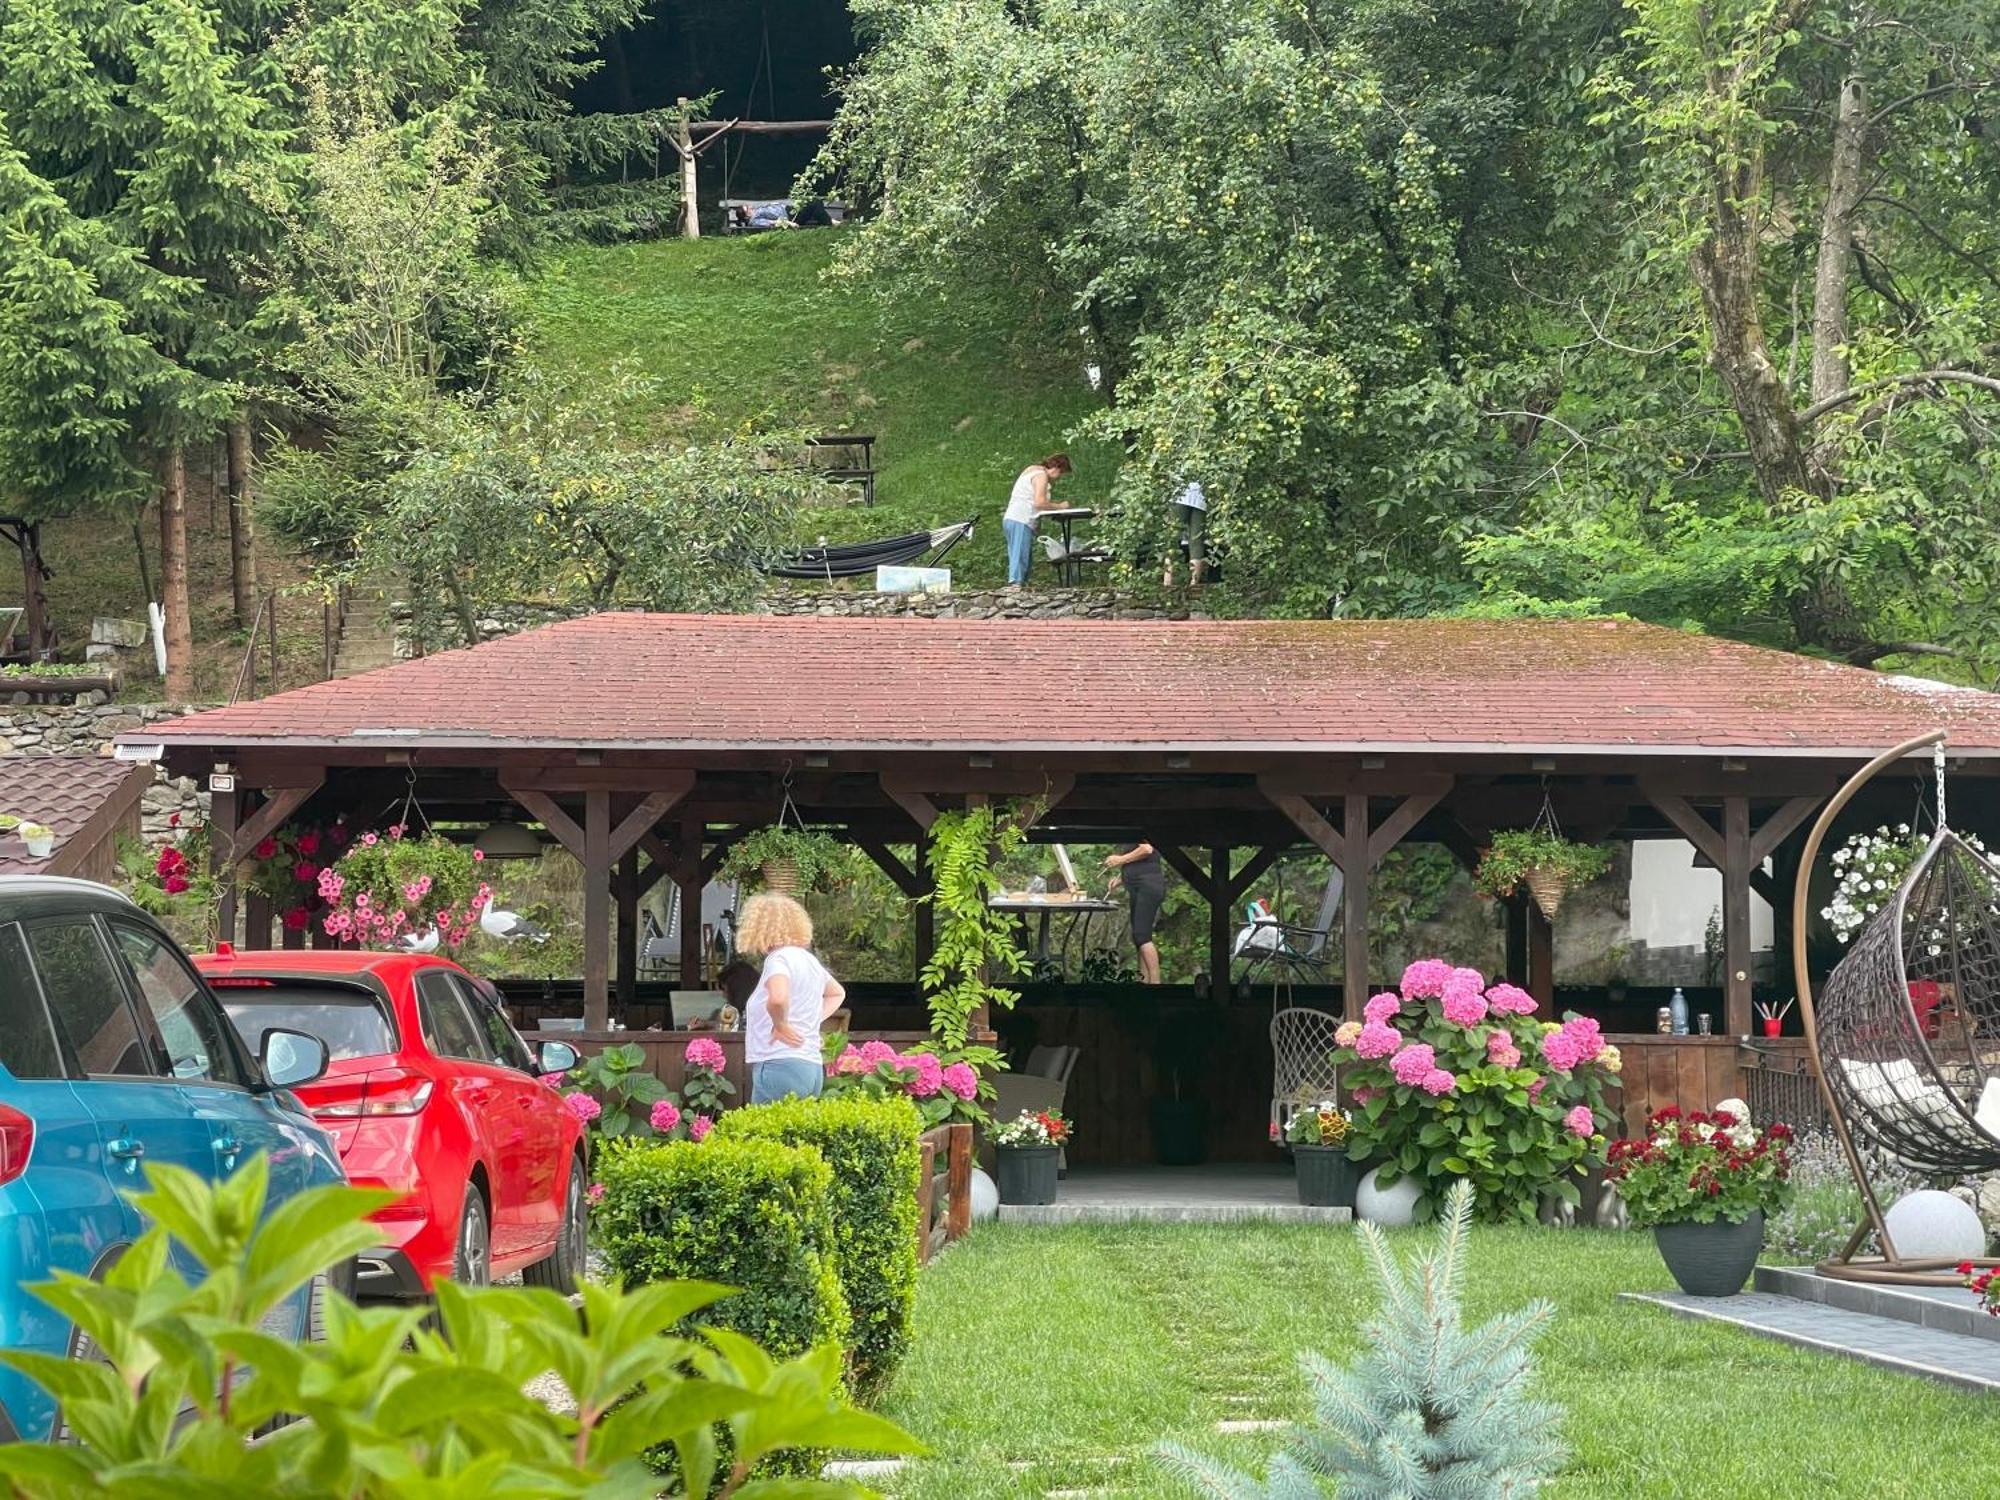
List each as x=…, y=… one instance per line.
x=794, y=995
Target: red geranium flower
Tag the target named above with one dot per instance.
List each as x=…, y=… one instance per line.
x=305, y=870
x=173, y=820
x=297, y=919
x=174, y=884
x=308, y=842
x=265, y=849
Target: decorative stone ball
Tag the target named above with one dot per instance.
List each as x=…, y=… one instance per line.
x=1929, y=1225
x=1391, y=1207
x=985, y=1196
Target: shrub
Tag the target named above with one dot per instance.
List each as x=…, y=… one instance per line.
x=749, y=1214
x=1431, y=1412
x=393, y=1408
x=871, y=1147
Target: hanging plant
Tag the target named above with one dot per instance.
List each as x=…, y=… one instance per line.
x=972, y=941
x=1868, y=868
x=788, y=860
x=285, y=869
x=1543, y=861
x=388, y=887
x=172, y=880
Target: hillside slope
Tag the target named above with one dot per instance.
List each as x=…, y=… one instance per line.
x=742, y=330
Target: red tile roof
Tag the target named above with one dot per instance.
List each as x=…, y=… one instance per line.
x=627, y=680
x=65, y=792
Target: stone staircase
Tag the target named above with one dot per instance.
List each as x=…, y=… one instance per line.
x=1939, y=1332
x=367, y=630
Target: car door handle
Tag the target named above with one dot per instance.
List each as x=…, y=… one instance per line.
x=228, y=1145
x=126, y=1149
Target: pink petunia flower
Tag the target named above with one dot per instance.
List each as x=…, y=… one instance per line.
x=706, y=1052
x=369, y=838
x=1381, y=1007
x=1580, y=1121
x=960, y=1078
x=665, y=1116
x=1377, y=1040
x=595, y=1192
x=1425, y=979
x=583, y=1106
x=699, y=1127
x=1413, y=1064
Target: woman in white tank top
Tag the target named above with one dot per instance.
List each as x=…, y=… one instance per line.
x=1030, y=497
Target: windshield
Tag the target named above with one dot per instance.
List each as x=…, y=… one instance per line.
x=352, y=1022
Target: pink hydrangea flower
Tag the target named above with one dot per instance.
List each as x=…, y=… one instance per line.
x=877, y=1052
x=583, y=1106
x=1535, y=1088
x=1580, y=1121
x=1560, y=1051
x=1413, y=1064
x=1377, y=1040
x=1438, y=1081
x=850, y=1061
x=1584, y=1032
x=553, y=1080
x=1500, y=1049
x=699, y=1127
x=1347, y=1034
x=930, y=1075
x=1381, y=1007
x=706, y=1052
x=1425, y=979
x=666, y=1115
x=1510, y=999
x=962, y=1080
x=595, y=1192
x=1364, y=1093
x=1463, y=1005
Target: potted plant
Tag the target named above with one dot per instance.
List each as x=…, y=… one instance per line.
x=40, y=839
x=1703, y=1184
x=386, y=887
x=1028, y=1146
x=1317, y=1135
x=8, y=823
x=1543, y=861
x=1617, y=972
x=786, y=860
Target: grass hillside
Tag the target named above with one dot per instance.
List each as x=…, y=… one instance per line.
x=748, y=329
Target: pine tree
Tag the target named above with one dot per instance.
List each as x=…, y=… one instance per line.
x=1432, y=1412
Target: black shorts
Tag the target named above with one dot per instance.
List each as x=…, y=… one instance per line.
x=1145, y=912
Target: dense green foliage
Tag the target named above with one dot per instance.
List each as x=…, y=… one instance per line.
x=751, y=1214
x=871, y=1147
x=1434, y=1411
x=973, y=943
x=391, y=1408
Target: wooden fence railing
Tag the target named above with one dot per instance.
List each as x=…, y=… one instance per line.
x=944, y=1189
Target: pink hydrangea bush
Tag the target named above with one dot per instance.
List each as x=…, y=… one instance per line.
x=1451, y=1077
x=946, y=1085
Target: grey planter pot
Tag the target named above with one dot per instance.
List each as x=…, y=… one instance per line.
x=1027, y=1174
x=1327, y=1179
x=1711, y=1260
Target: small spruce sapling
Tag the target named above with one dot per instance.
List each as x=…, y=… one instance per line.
x=1431, y=1412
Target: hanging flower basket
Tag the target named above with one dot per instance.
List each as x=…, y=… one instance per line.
x=386, y=888
x=788, y=860
x=1543, y=862
x=780, y=875
x=1548, y=887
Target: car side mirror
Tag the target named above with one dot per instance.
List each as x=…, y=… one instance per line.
x=557, y=1057
x=291, y=1058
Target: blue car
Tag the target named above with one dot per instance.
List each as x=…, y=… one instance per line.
x=114, y=1054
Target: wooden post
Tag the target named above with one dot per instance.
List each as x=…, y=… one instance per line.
x=684, y=144
x=925, y=913
x=1541, y=961
x=959, y=1182
x=1736, y=866
x=225, y=811
x=596, y=910
x=628, y=926
x=1514, y=913
x=1218, y=926
x=1355, y=870
x=689, y=879
x=257, y=921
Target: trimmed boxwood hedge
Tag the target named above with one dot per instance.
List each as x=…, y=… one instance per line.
x=751, y=1214
x=872, y=1147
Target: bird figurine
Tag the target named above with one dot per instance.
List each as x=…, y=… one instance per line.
x=511, y=927
x=418, y=942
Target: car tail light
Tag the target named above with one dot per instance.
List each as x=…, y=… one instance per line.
x=17, y=1141
x=387, y=1091
x=230, y=982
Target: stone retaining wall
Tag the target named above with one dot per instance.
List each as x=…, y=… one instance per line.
x=86, y=728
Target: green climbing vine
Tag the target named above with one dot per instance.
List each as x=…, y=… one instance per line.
x=972, y=942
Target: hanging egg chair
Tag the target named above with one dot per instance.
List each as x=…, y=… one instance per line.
x=1905, y=1032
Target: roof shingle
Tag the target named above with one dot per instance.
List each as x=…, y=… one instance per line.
x=64, y=792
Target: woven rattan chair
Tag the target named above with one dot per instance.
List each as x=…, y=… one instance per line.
x=1905, y=1032
x=1302, y=1054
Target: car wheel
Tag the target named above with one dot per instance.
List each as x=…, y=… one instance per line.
x=472, y=1261
x=81, y=1347
x=563, y=1269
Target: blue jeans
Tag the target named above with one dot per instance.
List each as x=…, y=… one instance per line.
x=784, y=1078
x=1020, y=549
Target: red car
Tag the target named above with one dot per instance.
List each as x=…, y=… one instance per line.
x=429, y=1090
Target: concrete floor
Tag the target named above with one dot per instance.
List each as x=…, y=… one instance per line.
x=1215, y=1194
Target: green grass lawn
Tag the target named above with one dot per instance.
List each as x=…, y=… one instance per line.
x=748, y=330
x=1050, y=1359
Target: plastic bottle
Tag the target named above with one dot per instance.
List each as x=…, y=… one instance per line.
x=1679, y=1006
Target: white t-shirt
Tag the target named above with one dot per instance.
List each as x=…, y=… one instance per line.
x=1192, y=497
x=1021, y=504
x=808, y=993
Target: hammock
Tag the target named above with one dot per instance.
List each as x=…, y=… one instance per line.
x=857, y=558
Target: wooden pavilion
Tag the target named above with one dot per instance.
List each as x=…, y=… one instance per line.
x=646, y=744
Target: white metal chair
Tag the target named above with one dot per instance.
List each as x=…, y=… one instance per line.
x=1303, y=1071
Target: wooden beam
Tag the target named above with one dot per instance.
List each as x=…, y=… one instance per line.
x=1695, y=828
x=1460, y=843
x=1198, y=879
x=256, y=921
x=596, y=862
x=1780, y=826
x=926, y=914
x=1736, y=867
x=542, y=808
x=1306, y=818
x=905, y=879
x=718, y=851
x=628, y=926
x=224, y=809
x=1354, y=904
x=1541, y=961
x=1252, y=871
x=671, y=788
x=281, y=804
x=1409, y=812
x=1767, y=886
x=692, y=882
x=917, y=804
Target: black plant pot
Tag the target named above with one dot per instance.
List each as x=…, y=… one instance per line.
x=1327, y=1179
x=1180, y=1132
x=1711, y=1260
x=1027, y=1174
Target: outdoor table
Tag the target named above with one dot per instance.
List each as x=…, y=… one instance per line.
x=1066, y=516
x=1044, y=906
x=864, y=473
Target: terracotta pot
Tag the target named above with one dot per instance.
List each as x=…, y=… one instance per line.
x=1711, y=1260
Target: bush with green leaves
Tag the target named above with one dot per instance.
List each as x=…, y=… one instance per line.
x=623, y=1086
x=1431, y=1411
x=387, y=1407
x=871, y=1146
x=751, y=1214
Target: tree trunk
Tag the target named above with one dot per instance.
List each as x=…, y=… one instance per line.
x=1831, y=373
x=242, y=539
x=174, y=576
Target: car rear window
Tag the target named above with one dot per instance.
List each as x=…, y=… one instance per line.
x=352, y=1022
